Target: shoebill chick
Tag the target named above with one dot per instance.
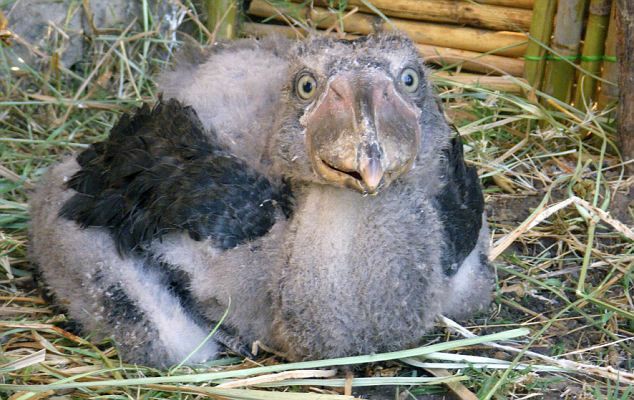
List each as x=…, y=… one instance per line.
x=312, y=189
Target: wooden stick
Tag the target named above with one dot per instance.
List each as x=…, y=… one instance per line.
x=512, y=44
x=467, y=60
x=568, y=26
x=541, y=29
x=454, y=12
x=472, y=61
x=258, y=30
x=527, y=4
x=501, y=83
x=592, y=55
x=609, y=94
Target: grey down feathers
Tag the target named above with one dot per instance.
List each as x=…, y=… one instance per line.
x=312, y=189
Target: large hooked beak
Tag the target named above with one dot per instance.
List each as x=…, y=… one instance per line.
x=361, y=133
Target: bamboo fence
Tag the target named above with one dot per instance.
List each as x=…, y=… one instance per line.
x=560, y=69
x=593, y=51
x=565, y=48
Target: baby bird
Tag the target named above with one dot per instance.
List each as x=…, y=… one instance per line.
x=310, y=190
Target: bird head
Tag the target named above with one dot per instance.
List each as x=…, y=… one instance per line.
x=353, y=108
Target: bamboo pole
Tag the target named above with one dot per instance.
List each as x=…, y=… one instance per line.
x=259, y=30
x=467, y=60
x=541, y=29
x=560, y=73
x=512, y=44
x=472, y=61
x=222, y=18
x=610, y=72
x=499, y=83
x=526, y=4
x=455, y=12
x=592, y=54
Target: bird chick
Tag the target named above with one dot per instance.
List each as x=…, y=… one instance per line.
x=312, y=189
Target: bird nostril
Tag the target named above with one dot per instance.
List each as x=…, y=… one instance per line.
x=338, y=94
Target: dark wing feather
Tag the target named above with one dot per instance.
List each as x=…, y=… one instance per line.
x=461, y=205
x=158, y=172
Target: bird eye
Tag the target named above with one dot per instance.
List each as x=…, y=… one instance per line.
x=410, y=80
x=306, y=86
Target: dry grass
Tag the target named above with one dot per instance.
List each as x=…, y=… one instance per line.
x=551, y=176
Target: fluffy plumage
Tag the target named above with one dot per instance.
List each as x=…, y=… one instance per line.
x=320, y=198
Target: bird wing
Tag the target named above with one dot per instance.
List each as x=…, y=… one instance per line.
x=461, y=205
x=160, y=172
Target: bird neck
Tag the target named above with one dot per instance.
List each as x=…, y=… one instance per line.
x=327, y=216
